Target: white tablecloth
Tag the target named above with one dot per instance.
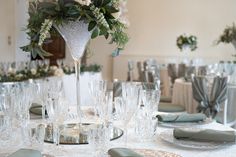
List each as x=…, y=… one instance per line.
x=156, y=144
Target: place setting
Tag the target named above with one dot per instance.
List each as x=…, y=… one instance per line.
x=173, y=120
x=196, y=138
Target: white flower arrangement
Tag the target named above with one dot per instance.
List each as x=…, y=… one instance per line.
x=102, y=16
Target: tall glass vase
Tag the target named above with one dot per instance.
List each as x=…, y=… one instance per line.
x=186, y=51
x=76, y=36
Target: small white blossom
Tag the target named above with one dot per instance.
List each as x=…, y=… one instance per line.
x=44, y=31
x=84, y=2
x=33, y=71
x=11, y=71
x=53, y=68
x=179, y=41
x=116, y=15
x=58, y=72
x=19, y=76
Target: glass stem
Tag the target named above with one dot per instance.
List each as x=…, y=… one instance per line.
x=77, y=71
x=56, y=134
x=126, y=135
x=43, y=111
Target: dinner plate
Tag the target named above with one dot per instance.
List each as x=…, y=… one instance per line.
x=155, y=153
x=168, y=136
x=185, y=124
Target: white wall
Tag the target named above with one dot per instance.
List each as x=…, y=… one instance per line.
x=7, y=32
x=155, y=25
x=13, y=17
x=21, y=18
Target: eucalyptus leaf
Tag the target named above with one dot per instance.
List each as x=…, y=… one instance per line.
x=92, y=25
x=111, y=9
x=95, y=33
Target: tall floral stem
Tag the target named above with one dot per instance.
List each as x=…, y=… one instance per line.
x=77, y=71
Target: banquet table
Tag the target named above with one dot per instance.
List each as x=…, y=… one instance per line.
x=183, y=95
x=156, y=144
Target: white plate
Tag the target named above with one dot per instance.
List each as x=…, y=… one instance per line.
x=168, y=137
x=185, y=124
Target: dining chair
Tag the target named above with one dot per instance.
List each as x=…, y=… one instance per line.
x=211, y=96
x=202, y=70
x=181, y=70
x=172, y=72
x=130, y=76
x=140, y=68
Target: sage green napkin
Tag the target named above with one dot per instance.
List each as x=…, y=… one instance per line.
x=26, y=153
x=165, y=99
x=169, y=107
x=36, y=110
x=205, y=135
x=122, y=152
x=185, y=117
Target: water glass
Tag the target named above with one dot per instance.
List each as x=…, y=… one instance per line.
x=36, y=134
x=145, y=120
x=145, y=125
x=98, y=139
x=5, y=120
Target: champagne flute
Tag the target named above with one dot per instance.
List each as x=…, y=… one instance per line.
x=129, y=103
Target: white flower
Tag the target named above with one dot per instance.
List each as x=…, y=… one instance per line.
x=180, y=41
x=19, y=76
x=53, y=68
x=58, y=72
x=44, y=31
x=11, y=71
x=84, y=2
x=33, y=71
x=116, y=15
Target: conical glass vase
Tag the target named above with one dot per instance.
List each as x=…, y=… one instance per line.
x=187, y=58
x=76, y=36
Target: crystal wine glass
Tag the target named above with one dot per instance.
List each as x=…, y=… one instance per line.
x=128, y=103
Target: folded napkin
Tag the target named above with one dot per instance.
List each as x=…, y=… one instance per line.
x=26, y=153
x=170, y=107
x=122, y=152
x=205, y=135
x=36, y=110
x=185, y=117
x=165, y=99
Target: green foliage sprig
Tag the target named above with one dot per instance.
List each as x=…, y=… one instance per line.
x=229, y=35
x=184, y=41
x=98, y=14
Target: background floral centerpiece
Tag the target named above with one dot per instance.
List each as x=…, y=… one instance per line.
x=228, y=36
x=183, y=42
x=100, y=15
